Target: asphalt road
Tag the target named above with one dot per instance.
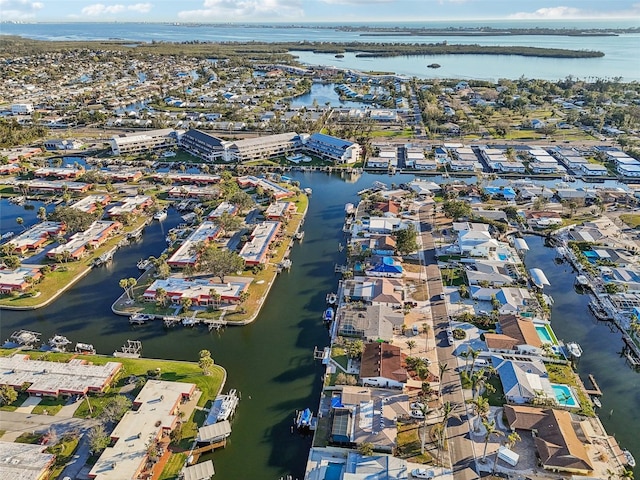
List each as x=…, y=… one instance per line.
x=460, y=446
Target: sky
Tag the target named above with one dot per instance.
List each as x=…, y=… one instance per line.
x=309, y=11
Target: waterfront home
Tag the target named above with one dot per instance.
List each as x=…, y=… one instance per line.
x=154, y=418
x=558, y=447
x=492, y=273
x=476, y=243
x=53, y=379
x=516, y=335
x=256, y=250
x=380, y=162
x=202, y=145
x=378, y=465
x=224, y=207
x=23, y=461
x=201, y=291
x=116, y=174
x=543, y=219
x=63, y=173
x=413, y=155
x=133, y=205
x=89, y=204
x=381, y=291
x=385, y=266
x=259, y=148
x=189, y=178
x=19, y=279
x=280, y=211
x=371, y=322
x=277, y=191
x=93, y=237
x=381, y=366
x=193, y=191
x=43, y=186
x=523, y=381
x=595, y=169
x=186, y=254
x=36, y=236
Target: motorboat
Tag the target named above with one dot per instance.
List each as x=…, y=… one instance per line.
x=304, y=418
x=574, y=349
x=630, y=460
x=58, y=343
x=328, y=315
x=140, y=318
x=160, y=216
x=332, y=298
x=228, y=404
x=85, y=348
x=596, y=401
x=143, y=264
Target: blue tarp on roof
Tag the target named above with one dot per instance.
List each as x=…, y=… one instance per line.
x=387, y=265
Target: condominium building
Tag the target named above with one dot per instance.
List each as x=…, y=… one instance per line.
x=142, y=141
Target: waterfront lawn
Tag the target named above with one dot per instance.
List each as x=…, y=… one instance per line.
x=565, y=375
x=339, y=355
x=173, y=466
x=323, y=430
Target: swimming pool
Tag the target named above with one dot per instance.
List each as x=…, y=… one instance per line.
x=503, y=256
x=544, y=334
x=333, y=472
x=564, y=395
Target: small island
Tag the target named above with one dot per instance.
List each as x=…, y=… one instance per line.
x=434, y=65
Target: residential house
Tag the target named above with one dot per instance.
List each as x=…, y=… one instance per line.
x=371, y=322
x=516, y=335
x=523, y=381
x=375, y=290
x=381, y=366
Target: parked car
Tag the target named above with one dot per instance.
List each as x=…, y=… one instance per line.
x=416, y=414
x=415, y=330
x=422, y=473
x=416, y=406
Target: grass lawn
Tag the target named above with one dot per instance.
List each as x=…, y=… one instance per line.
x=51, y=405
x=19, y=401
x=173, y=466
x=64, y=452
x=496, y=398
x=410, y=444
x=32, y=438
x=323, y=430
x=631, y=219
x=339, y=356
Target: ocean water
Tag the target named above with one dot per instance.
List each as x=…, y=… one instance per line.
x=620, y=58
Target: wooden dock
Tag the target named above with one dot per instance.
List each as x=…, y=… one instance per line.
x=195, y=454
x=596, y=392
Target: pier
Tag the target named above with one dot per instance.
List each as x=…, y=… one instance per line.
x=595, y=392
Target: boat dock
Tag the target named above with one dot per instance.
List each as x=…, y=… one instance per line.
x=132, y=349
x=223, y=407
x=595, y=392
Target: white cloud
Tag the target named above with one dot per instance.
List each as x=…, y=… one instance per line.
x=19, y=9
x=239, y=9
x=562, y=12
x=101, y=9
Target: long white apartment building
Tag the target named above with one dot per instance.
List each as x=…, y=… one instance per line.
x=142, y=141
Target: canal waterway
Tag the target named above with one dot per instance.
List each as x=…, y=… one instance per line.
x=572, y=321
x=270, y=361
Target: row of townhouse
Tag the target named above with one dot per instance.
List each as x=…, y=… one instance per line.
x=93, y=237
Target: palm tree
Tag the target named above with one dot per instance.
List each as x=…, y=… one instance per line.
x=474, y=354
x=124, y=284
x=491, y=429
x=161, y=296
x=425, y=410
x=443, y=368
x=466, y=356
x=20, y=221
x=512, y=439
x=411, y=344
x=425, y=330
x=480, y=410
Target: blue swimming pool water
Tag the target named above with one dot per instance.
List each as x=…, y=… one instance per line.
x=590, y=254
x=503, y=256
x=333, y=472
x=564, y=395
x=544, y=334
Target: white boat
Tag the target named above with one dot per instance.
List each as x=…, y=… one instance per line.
x=160, y=216
x=332, y=298
x=574, y=349
x=140, y=318
x=308, y=191
x=228, y=404
x=143, y=264
x=7, y=235
x=85, y=348
x=630, y=460
x=58, y=343
x=596, y=402
x=328, y=314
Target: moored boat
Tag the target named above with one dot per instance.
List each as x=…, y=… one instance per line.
x=596, y=401
x=160, y=216
x=332, y=298
x=58, y=343
x=143, y=264
x=85, y=348
x=574, y=349
x=630, y=460
x=140, y=318
x=328, y=315
x=304, y=419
